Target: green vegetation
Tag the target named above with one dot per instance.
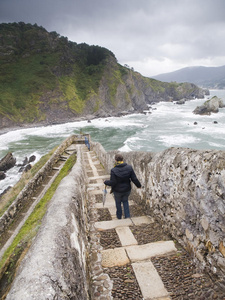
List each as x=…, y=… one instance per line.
x=34, y=62
x=113, y=84
x=22, y=84
x=24, y=238
x=41, y=72
x=114, y=78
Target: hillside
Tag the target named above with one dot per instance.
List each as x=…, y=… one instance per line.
x=46, y=79
x=206, y=77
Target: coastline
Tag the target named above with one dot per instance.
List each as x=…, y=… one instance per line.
x=77, y=119
x=34, y=125
x=101, y=114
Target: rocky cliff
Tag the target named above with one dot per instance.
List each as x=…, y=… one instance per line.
x=46, y=79
x=209, y=106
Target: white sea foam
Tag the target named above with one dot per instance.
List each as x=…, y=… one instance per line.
x=168, y=125
x=9, y=137
x=132, y=143
x=177, y=140
x=217, y=145
x=125, y=148
x=114, y=122
x=12, y=176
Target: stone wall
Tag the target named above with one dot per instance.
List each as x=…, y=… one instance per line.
x=28, y=191
x=55, y=265
x=185, y=190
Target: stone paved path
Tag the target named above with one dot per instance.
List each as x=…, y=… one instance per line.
x=134, y=258
x=139, y=256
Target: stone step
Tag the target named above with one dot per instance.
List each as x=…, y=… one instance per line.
x=126, y=236
x=148, y=279
x=64, y=157
x=114, y=257
x=72, y=147
x=147, y=251
x=142, y=220
x=98, y=177
x=123, y=255
x=105, y=225
x=96, y=185
x=150, y=282
x=112, y=210
x=93, y=191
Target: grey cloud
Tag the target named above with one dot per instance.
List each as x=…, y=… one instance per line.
x=173, y=31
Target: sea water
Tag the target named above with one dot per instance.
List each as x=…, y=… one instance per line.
x=166, y=124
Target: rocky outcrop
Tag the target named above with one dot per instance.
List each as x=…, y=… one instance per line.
x=182, y=101
x=2, y=175
x=25, y=166
x=7, y=162
x=209, y=106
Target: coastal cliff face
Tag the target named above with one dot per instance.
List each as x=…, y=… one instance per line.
x=46, y=79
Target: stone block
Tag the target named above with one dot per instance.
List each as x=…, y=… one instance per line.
x=143, y=252
x=105, y=225
x=142, y=220
x=126, y=236
x=114, y=257
x=149, y=281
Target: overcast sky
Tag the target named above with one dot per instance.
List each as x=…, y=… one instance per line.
x=152, y=36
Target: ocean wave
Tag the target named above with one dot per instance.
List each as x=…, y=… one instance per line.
x=126, y=121
x=12, y=177
x=217, y=145
x=125, y=148
x=177, y=140
x=132, y=144
x=9, y=137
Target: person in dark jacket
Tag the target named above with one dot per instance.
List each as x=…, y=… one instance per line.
x=120, y=180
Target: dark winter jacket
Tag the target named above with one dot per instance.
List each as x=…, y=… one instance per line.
x=121, y=177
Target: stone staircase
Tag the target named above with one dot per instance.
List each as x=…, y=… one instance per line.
x=122, y=267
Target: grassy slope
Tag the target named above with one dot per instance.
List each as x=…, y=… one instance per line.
x=35, y=64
